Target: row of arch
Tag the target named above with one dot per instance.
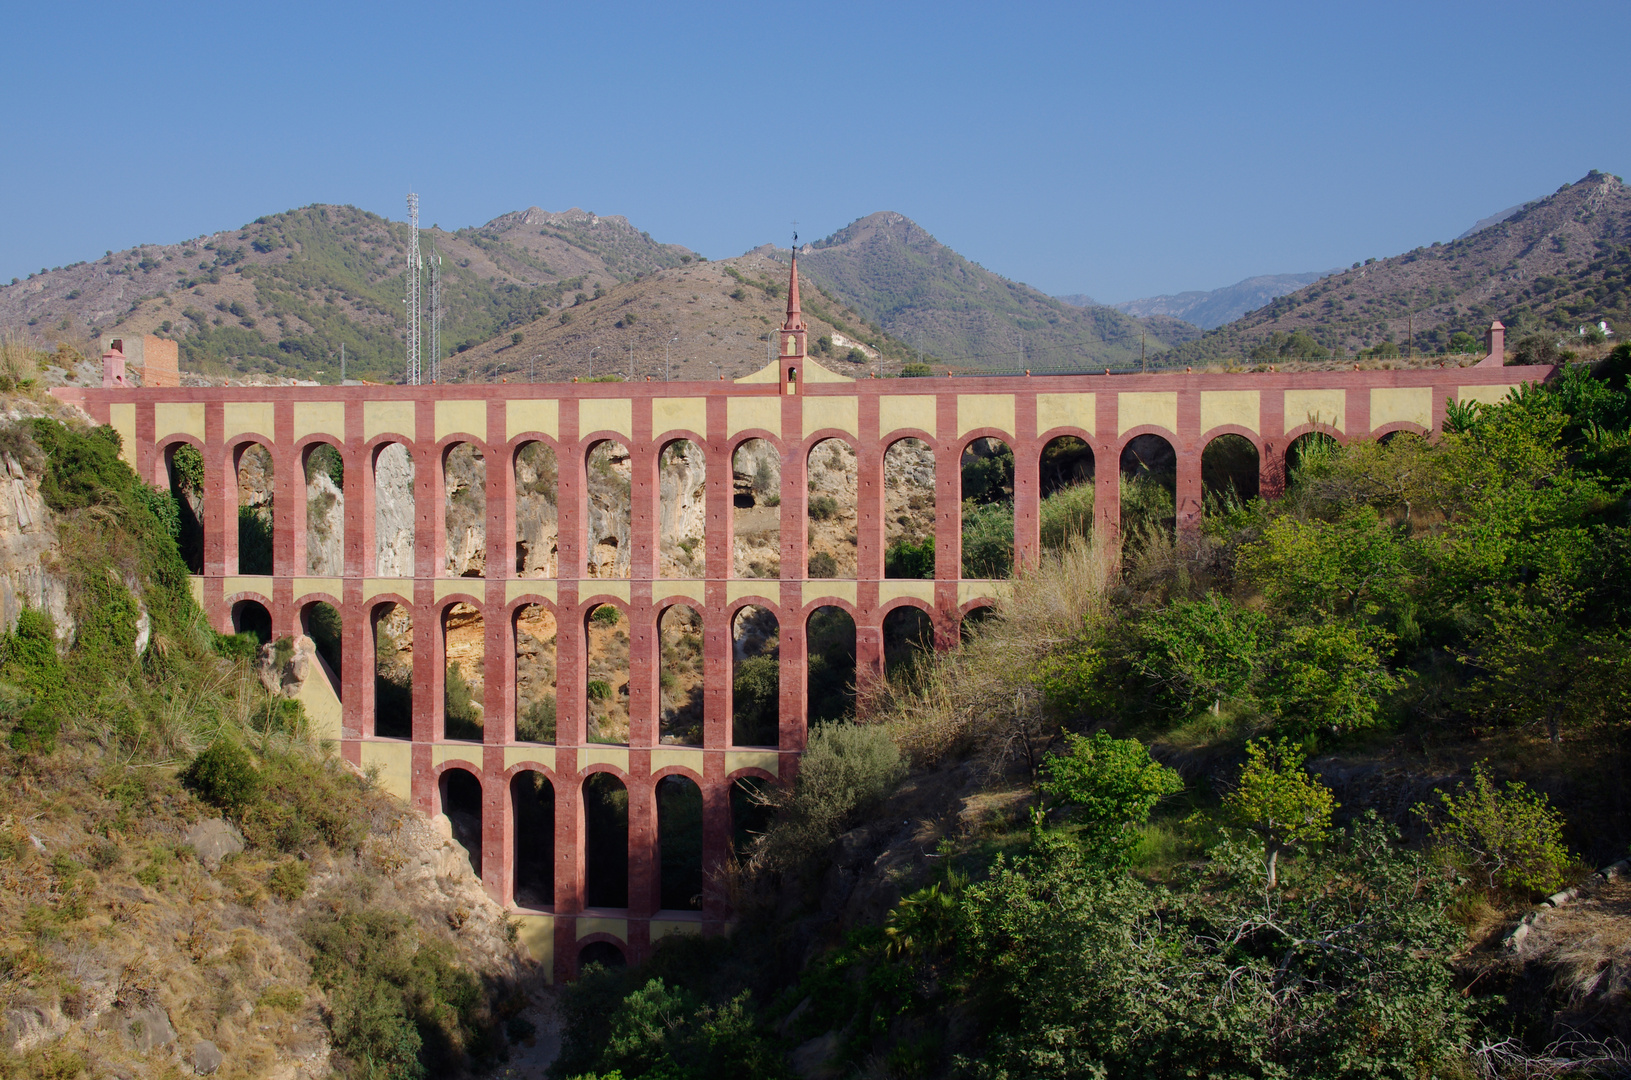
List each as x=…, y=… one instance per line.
x=912, y=492
x=753, y=672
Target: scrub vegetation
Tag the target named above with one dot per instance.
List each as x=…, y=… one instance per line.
x=1262, y=803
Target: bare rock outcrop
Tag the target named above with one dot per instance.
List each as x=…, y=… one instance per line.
x=393, y=512
x=29, y=552
x=325, y=526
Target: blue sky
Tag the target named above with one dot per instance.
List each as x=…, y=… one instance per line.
x=1117, y=150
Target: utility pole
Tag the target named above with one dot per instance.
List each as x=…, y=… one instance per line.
x=592, y=360
x=435, y=316
x=411, y=302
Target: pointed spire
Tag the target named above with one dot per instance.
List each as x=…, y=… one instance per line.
x=795, y=319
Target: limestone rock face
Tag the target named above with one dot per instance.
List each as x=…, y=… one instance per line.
x=325, y=526
x=464, y=480
x=609, y=473
x=682, y=485
x=393, y=512
x=25, y=1028
x=28, y=552
x=207, y=1057
x=288, y=676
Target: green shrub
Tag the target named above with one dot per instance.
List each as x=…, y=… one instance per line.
x=905, y=559
x=1066, y=515
x=224, y=777
x=822, y=507
x=846, y=769
x=823, y=565
x=288, y=880
x=1112, y=785
x=254, y=541
x=756, y=700
x=988, y=540
x=1512, y=837
x=598, y=689
x=537, y=723
x=462, y=711
x=915, y=371
x=28, y=657
x=606, y=615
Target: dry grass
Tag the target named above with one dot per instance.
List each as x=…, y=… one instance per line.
x=983, y=696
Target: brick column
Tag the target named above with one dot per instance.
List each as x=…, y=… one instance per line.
x=793, y=710
x=948, y=494
x=571, y=504
x=716, y=639
x=869, y=493
x=716, y=842
x=1027, y=484
x=645, y=525
x=795, y=490
x=1107, y=470
x=1188, y=447
x=496, y=827
x=568, y=843
x=644, y=896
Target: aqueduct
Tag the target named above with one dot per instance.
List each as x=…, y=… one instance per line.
x=582, y=823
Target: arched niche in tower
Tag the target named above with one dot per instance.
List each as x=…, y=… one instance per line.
x=537, y=513
x=464, y=511
x=536, y=634
x=393, y=511
x=756, y=481
x=610, y=502
x=325, y=510
x=682, y=486
x=253, y=471
x=832, y=473
x=1067, y=475
x=909, y=511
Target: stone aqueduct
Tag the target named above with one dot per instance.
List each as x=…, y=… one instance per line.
x=793, y=404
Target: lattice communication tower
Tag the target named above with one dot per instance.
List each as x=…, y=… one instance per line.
x=416, y=269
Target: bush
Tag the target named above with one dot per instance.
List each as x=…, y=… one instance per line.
x=224, y=777
x=537, y=723
x=289, y=880
x=915, y=371
x=823, y=565
x=988, y=540
x=756, y=700
x=1113, y=785
x=1067, y=514
x=823, y=507
x=598, y=690
x=1512, y=837
x=463, y=712
x=905, y=559
x=846, y=769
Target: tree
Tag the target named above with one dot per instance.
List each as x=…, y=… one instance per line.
x=1278, y=800
x=1512, y=837
x=1198, y=652
x=1112, y=784
x=1354, y=566
x=1328, y=675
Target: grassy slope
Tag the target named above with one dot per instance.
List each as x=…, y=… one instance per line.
x=1558, y=263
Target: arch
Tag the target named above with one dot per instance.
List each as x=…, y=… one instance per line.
x=909, y=510
x=1067, y=471
x=1231, y=469
x=392, y=625
x=756, y=520
x=972, y=616
x=750, y=807
x=182, y=461
x=392, y=467
x=829, y=636
x=535, y=633
x=908, y=636
x=832, y=472
x=252, y=617
x=532, y=861
x=679, y=843
x=1312, y=438
x=606, y=689
x=464, y=652
x=1149, y=474
x=252, y=471
x=459, y=792
x=322, y=464
x=464, y=509
x=986, y=479
x=680, y=676
x=608, y=484
x=602, y=949
x=536, y=471
x=682, y=488
x=321, y=621
x=1386, y=432
x=605, y=840
x=755, y=677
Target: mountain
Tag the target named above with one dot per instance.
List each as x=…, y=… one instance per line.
x=698, y=320
x=911, y=286
x=1213, y=308
x=281, y=294
x=1553, y=265
x=1494, y=219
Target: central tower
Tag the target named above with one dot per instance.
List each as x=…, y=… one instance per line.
x=793, y=332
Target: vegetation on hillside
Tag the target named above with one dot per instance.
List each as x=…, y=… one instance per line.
x=121, y=738
x=1555, y=267
x=1173, y=850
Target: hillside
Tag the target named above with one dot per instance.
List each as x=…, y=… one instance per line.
x=1212, y=308
x=909, y=284
x=1552, y=266
x=280, y=295
x=720, y=312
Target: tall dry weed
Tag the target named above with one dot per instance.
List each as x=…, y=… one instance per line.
x=982, y=697
x=18, y=361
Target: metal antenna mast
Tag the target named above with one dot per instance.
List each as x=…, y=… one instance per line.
x=435, y=316
x=411, y=301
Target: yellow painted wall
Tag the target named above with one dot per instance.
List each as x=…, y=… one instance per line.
x=1401, y=404
x=668, y=414
x=768, y=760
x=769, y=589
x=1329, y=407
x=306, y=585
x=985, y=411
x=616, y=587
x=122, y=418
x=690, y=589
x=832, y=412
x=319, y=417
x=896, y=588
x=515, y=589
x=753, y=412
x=844, y=590
x=896, y=411
x=615, y=756
x=171, y=418
x=1489, y=395
x=245, y=416
x=532, y=415
x=689, y=757
x=379, y=417
x=1066, y=410
x=606, y=414
x=395, y=763
x=322, y=704
x=1241, y=407
x=537, y=933
x=542, y=755
x=469, y=417
x=1137, y=408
